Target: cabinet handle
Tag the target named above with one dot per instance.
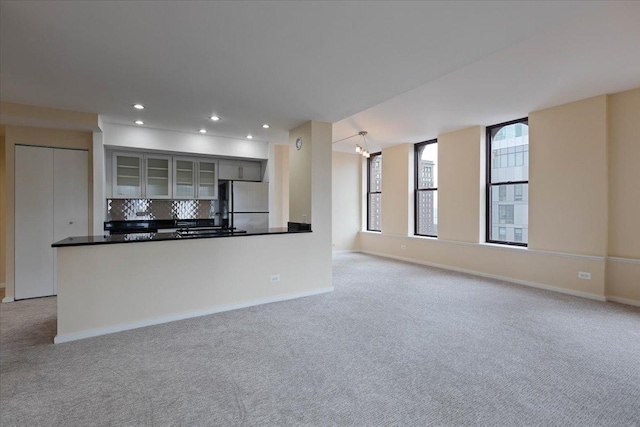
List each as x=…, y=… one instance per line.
x=70, y=222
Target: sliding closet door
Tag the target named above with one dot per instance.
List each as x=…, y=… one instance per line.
x=33, y=222
x=51, y=203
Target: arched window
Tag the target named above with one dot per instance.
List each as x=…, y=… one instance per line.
x=508, y=183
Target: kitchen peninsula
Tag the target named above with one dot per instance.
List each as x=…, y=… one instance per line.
x=106, y=285
x=114, y=283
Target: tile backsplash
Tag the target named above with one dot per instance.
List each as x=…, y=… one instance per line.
x=150, y=209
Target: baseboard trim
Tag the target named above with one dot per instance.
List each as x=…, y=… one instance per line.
x=181, y=316
x=626, y=301
x=345, y=251
x=493, y=276
x=7, y=299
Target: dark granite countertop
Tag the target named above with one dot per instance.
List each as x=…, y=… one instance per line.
x=153, y=226
x=157, y=237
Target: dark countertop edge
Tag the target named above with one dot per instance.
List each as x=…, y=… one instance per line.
x=169, y=238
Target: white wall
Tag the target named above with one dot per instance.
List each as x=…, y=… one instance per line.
x=136, y=137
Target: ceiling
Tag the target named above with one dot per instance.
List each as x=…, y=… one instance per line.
x=404, y=71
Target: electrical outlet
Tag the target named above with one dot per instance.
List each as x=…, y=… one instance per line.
x=403, y=247
x=584, y=275
x=275, y=278
x=304, y=219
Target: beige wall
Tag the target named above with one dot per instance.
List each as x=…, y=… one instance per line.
x=280, y=187
x=3, y=215
x=623, y=268
x=38, y=137
x=549, y=270
x=584, y=203
x=52, y=118
x=568, y=178
x=624, y=174
x=300, y=174
x=346, y=184
x=460, y=188
x=397, y=189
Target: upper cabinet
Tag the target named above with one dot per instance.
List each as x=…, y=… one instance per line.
x=127, y=175
x=207, y=179
x=184, y=179
x=240, y=170
x=195, y=178
x=159, y=176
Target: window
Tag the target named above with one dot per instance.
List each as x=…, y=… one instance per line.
x=508, y=182
x=503, y=193
x=374, y=192
x=517, y=192
x=426, y=192
x=506, y=214
x=517, y=234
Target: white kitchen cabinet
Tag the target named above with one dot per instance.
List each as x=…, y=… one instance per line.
x=195, y=178
x=51, y=204
x=163, y=176
x=158, y=176
x=184, y=178
x=207, y=179
x=127, y=175
x=240, y=170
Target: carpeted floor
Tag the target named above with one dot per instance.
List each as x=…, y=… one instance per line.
x=395, y=344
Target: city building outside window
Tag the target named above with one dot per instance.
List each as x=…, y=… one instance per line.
x=517, y=234
x=508, y=183
x=426, y=190
x=374, y=192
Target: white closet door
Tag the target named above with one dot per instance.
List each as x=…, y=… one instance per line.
x=33, y=222
x=70, y=194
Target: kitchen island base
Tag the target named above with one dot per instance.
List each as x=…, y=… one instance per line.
x=107, y=288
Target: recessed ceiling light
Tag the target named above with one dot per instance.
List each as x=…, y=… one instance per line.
x=138, y=106
x=249, y=136
x=202, y=131
x=266, y=126
x=139, y=122
x=214, y=118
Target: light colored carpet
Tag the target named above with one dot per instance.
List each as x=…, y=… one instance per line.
x=395, y=344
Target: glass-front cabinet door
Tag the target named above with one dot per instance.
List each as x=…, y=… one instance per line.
x=158, y=177
x=184, y=182
x=207, y=179
x=127, y=175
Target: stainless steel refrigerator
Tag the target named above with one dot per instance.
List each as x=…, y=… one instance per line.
x=247, y=204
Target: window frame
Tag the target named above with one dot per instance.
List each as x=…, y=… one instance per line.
x=416, y=192
x=369, y=192
x=489, y=184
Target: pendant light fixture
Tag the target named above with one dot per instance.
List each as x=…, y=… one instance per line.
x=361, y=148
